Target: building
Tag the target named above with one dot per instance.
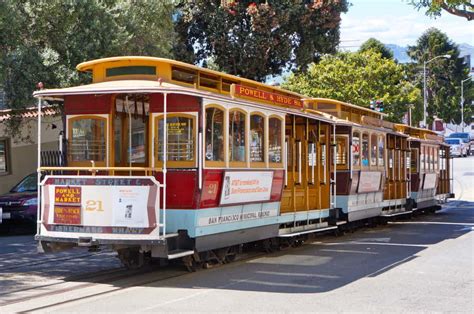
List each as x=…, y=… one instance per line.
x=18, y=153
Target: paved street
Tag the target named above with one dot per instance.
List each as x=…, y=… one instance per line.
x=419, y=265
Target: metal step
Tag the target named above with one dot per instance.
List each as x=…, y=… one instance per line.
x=289, y=235
x=397, y=214
x=179, y=253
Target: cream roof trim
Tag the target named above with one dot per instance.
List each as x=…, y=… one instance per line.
x=89, y=65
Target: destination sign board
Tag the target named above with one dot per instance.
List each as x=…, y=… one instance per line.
x=272, y=98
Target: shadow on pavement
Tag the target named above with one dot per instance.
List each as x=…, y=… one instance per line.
x=324, y=265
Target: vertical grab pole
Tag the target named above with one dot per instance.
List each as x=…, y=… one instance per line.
x=334, y=149
x=38, y=200
x=129, y=135
x=300, y=160
x=165, y=146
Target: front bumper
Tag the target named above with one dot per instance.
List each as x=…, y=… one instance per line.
x=19, y=214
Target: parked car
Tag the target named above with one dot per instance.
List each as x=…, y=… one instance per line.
x=20, y=204
x=457, y=147
x=465, y=137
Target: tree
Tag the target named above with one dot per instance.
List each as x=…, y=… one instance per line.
x=45, y=40
x=443, y=76
x=377, y=46
x=254, y=39
x=462, y=8
x=358, y=78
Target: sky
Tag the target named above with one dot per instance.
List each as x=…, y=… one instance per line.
x=397, y=22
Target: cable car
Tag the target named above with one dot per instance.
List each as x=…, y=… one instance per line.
x=169, y=160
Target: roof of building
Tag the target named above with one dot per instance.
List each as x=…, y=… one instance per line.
x=31, y=112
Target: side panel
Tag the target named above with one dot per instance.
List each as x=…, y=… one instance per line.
x=87, y=104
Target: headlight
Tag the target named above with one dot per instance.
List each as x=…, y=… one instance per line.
x=31, y=202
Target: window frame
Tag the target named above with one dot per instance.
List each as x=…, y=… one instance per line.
x=373, y=160
x=282, y=141
x=384, y=148
x=362, y=150
x=258, y=164
x=358, y=165
x=7, y=143
x=70, y=119
x=345, y=138
x=239, y=164
x=174, y=163
x=216, y=163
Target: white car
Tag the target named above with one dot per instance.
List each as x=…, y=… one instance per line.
x=457, y=147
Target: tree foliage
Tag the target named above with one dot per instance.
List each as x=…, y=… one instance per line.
x=443, y=76
x=254, y=39
x=358, y=78
x=462, y=8
x=45, y=40
x=377, y=46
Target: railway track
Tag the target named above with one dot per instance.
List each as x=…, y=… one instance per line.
x=93, y=285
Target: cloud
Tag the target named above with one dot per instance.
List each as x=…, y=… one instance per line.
x=401, y=30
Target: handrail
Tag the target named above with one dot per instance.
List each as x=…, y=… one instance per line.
x=95, y=169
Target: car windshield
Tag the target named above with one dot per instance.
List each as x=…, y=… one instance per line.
x=463, y=136
x=453, y=141
x=28, y=184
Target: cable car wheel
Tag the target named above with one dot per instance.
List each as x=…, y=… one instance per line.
x=132, y=258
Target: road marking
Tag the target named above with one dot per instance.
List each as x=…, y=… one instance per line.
x=381, y=270
x=296, y=274
x=194, y=294
x=464, y=224
x=349, y=251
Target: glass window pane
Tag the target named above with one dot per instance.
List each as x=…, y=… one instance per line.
x=365, y=149
x=341, y=153
x=356, y=149
x=373, y=151
x=274, y=140
x=236, y=136
x=414, y=160
x=381, y=150
x=138, y=150
x=180, y=139
x=214, y=134
x=118, y=128
x=3, y=156
x=257, y=127
x=87, y=141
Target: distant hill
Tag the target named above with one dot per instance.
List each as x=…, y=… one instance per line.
x=400, y=53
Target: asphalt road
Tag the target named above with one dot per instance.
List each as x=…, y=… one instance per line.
x=419, y=265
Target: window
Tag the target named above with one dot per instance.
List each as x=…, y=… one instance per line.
x=237, y=136
x=4, y=156
x=183, y=75
x=87, y=137
x=381, y=150
x=414, y=160
x=118, y=140
x=373, y=150
x=341, y=150
x=422, y=158
x=180, y=151
x=226, y=84
x=214, y=134
x=257, y=136
x=131, y=70
x=274, y=140
x=356, y=149
x=365, y=149
x=428, y=158
x=137, y=153
x=208, y=81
